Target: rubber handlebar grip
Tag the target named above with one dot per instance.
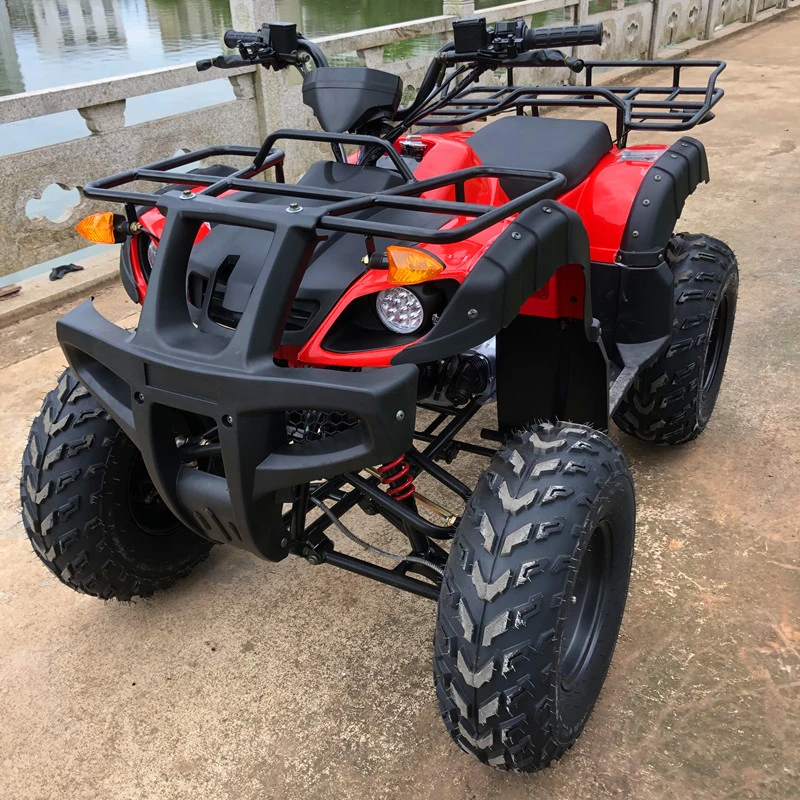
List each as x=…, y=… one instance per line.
x=566, y=36
x=233, y=38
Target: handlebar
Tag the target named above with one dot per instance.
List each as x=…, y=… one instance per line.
x=566, y=36
x=444, y=95
x=507, y=44
x=545, y=58
x=276, y=45
x=510, y=44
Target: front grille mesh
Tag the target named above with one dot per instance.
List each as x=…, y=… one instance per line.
x=309, y=425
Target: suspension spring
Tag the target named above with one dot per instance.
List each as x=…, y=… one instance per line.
x=397, y=474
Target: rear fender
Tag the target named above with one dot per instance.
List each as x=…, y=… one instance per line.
x=659, y=202
x=630, y=205
x=632, y=200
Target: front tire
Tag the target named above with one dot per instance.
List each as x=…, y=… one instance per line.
x=670, y=402
x=533, y=596
x=89, y=507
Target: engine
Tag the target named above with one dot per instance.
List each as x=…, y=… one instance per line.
x=457, y=380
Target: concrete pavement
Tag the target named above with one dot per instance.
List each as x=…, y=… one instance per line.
x=253, y=680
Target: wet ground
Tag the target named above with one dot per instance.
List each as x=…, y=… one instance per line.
x=254, y=680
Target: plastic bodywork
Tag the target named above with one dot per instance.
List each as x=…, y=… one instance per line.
x=605, y=202
x=179, y=374
x=536, y=280
x=169, y=370
x=640, y=187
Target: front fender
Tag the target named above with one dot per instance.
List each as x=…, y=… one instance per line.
x=126, y=272
x=521, y=261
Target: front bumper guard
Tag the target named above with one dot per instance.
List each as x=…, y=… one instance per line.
x=143, y=389
x=171, y=368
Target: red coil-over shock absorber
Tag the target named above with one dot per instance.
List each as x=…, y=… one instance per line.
x=397, y=474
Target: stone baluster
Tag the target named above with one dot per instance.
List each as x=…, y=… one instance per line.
x=711, y=20
x=580, y=17
x=105, y=117
x=247, y=15
x=243, y=86
x=654, y=40
x=458, y=8
x=371, y=57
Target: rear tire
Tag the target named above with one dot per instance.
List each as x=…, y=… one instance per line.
x=533, y=596
x=89, y=507
x=671, y=401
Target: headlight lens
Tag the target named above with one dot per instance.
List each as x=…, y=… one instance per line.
x=400, y=310
x=152, y=252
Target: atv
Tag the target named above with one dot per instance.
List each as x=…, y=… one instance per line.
x=305, y=349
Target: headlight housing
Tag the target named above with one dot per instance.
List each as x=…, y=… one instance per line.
x=400, y=310
x=147, y=250
x=152, y=252
x=361, y=327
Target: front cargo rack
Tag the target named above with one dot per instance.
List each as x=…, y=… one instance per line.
x=660, y=108
x=330, y=213
x=174, y=369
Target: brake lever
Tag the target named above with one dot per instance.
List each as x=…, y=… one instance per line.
x=544, y=58
x=575, y=64
x=221, y=62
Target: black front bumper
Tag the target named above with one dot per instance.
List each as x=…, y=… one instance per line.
x=170, y=370
x=180, y=365
x=144, y=389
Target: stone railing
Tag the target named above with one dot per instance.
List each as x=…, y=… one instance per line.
x=110, y=148
x=266, y=101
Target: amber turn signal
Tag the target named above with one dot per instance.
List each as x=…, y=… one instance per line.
x=100, y=228
x=408, y=265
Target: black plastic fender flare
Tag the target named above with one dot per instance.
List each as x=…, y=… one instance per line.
x=520, y=261
x=659, y=202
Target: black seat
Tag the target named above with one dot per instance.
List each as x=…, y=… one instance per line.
x=569, y=146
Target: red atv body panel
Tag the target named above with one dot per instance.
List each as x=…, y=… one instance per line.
x=603, y=201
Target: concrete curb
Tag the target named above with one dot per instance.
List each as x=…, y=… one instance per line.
x=40, y=294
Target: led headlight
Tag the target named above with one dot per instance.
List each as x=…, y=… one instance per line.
x=400, y=310
x=152, y=252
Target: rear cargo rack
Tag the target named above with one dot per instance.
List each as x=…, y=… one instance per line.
x=332, y=206
x=660, y=108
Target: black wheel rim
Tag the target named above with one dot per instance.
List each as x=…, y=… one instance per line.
x=715, y=349
x=145, y=505
x=586, y=607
